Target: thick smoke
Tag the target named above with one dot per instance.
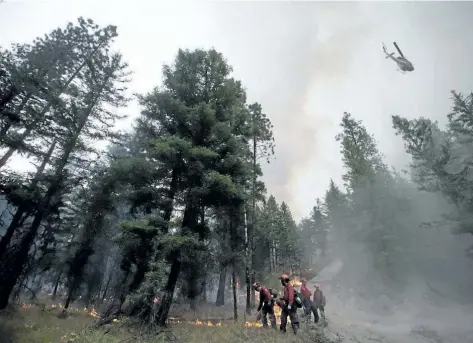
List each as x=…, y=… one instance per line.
x=436, y=297
x=293, y=50
x=290, y=54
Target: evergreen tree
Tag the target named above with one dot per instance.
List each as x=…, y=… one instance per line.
x=164, y=208
x=377, y=207
x=262, y=147
x=82, y=117
x=441, y=158
x=203, y=122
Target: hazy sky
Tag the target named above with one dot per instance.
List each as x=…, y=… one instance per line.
x=305, y=62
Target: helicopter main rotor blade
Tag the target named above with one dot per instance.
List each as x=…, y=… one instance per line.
x=399, y=50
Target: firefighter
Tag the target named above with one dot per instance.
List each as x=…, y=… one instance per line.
x=319, y=300
x=288, y=307
x=266, y=305
x=308, y=304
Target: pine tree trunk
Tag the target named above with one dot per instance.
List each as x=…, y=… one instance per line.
x=87, y=298
x=189, y=221
x=253, y=222
x=221, y=287
x=192, y=290
x=69, y=246
x=104, y=295
x=14, y=225
x=248, y=266
x=7, y=282
x=56, y=285
x=171, y=194
x=70, y=291
x=37, y=286
x=253, y=269
x=166, y=300
x=234, y=291
x=203, y=293
x=19, y=217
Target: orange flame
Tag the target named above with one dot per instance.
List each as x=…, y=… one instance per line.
x=207, y=323
x=254, y=324
x=91, y=312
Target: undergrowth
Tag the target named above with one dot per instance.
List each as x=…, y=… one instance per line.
x=36, y=325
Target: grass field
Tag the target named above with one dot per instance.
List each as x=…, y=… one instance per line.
x=41, y=324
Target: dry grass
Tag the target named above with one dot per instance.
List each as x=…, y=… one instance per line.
x=203, y=312
x=35, y=325
x=39, y=325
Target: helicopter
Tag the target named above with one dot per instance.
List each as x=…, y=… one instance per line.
x=402, y=62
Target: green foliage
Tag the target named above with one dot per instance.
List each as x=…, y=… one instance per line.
x=313, y=233
x=142, y=228
x=261, y=133
x=359, y=153
x=180, y=197
x=142, y=299
x=373, y=212
x=75, y=61
x=278, y=238
x=442, y=158
x=178, y=194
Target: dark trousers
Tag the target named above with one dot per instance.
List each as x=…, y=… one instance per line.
x=292, y=314
x=310, y=307
x=268, y=311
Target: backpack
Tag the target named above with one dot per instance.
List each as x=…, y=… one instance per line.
x=273, y=293
x=297, y=299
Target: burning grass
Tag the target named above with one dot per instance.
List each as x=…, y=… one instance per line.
x=41, y=324
x=72, y=310
x=33, y=324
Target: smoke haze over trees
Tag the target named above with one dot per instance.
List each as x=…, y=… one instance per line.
x=176, y=206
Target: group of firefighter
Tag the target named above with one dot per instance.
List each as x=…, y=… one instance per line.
x=289, y=303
